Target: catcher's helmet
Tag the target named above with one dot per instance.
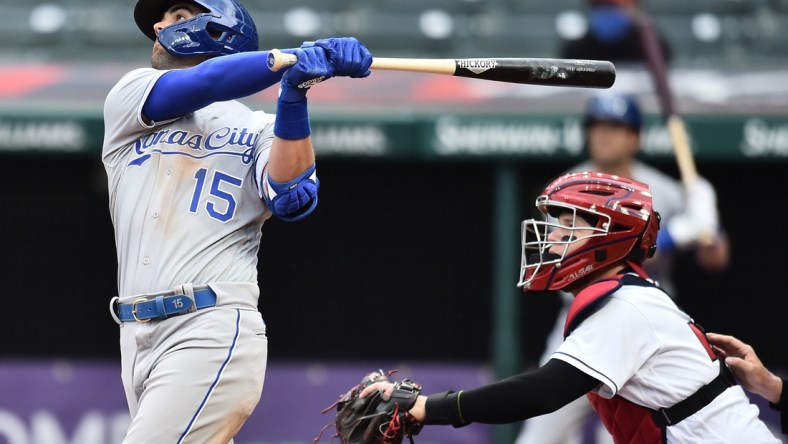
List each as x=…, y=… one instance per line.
x=623, y=224
x=227, y=28
x=617, y=108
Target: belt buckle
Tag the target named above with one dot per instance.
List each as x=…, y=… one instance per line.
x=134, y=310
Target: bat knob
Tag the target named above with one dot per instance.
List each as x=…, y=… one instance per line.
x=277, y=60
x=271, y=60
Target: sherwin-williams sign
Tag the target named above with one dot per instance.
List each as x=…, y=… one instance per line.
x=718, y=138
x=433, y=137
x=48, y=135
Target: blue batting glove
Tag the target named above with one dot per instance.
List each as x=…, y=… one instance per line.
x=348, y=56
x=312, y=68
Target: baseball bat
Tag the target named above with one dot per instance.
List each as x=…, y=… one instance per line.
x=675, y=124
x=533, y=71
x=655, y=58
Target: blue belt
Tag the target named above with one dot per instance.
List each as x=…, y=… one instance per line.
x=143, y=309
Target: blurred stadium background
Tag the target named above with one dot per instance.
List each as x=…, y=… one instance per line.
x=425, y=180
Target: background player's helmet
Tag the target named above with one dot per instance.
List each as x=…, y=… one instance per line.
x=227, y=28
x=624, y=223
x=617, y=108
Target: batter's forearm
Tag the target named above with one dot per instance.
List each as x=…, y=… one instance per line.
x=289, y=158
x=181, y=91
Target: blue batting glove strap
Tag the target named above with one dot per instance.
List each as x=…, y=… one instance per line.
x=292, y=120
x=348, y=56
x=295, y=199
x=665, y=242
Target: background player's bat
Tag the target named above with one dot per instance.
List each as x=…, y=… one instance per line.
x=533, y=71
x=659, y=73
x=675, y=124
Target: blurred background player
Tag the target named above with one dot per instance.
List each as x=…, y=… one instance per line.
x=611, y=34
x=612, y=125
x=193, y=175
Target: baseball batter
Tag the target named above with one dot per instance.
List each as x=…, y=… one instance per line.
x=645, y=365
x=192, y=175
x=613, y=123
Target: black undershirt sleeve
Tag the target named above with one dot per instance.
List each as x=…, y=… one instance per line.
x=517, y=398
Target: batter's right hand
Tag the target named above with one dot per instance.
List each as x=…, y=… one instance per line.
x=347, y=55
x=312, y=68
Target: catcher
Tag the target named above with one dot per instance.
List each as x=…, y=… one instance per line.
x=645, y=365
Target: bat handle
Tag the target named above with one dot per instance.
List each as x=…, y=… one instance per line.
x=689, y=174
x=278, y=60
x=678, y=133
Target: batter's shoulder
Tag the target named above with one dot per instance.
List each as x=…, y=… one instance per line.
x=138, y=74
x=133, y=82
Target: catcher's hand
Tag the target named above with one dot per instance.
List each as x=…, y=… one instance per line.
x=377, y=418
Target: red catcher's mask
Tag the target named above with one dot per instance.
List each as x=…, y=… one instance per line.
x=623, y=226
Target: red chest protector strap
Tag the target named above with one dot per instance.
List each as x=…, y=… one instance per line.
x=588, y=301
x=594, y=297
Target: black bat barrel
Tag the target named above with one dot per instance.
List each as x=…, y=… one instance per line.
x=540, y=71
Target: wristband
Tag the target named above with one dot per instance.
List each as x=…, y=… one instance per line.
x=444, y=408
x=292, y=120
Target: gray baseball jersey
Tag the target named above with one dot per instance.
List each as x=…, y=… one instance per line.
x=186, y=205
x=184, y=195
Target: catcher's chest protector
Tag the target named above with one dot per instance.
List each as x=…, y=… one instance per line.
x=627, y=422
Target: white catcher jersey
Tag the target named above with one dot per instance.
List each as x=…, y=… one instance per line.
x=640, y=346
x=184, y=194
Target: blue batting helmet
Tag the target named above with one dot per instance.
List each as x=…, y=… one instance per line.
x=618, y=108
x=226, y=27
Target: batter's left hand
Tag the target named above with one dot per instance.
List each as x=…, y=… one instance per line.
x=312, y=68
x=348, y=56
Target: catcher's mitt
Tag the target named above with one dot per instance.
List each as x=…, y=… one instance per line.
x=372, y=419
